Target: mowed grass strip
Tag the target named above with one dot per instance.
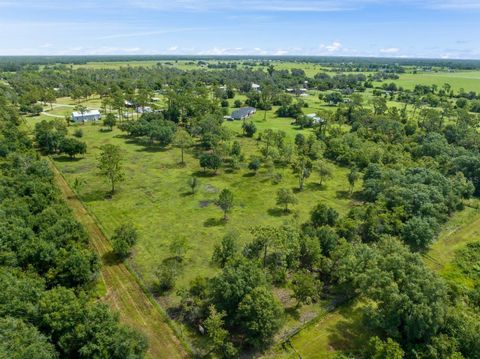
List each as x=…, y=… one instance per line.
x=123, y=292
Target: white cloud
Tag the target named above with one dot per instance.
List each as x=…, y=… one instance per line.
x=335, y=46
x=390, y=50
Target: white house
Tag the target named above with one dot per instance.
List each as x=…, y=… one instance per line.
x=315, y=118
x=90, y=115
x=255, y=87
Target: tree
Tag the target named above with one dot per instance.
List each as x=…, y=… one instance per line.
x=110, y=164
x=227, y=249
x=379, y=105
x=225, y=201
x=324, y=171
x=352, y=177
x=322, y=215
x=50, y=134
x=166, y=276
x=378, y=349
x=306, y=288
x=110, y=121
x=260, y=316
x=19, y=340
x=285, y=197
x=302, y=168
x=183, y=140
x=123, y=239
x=211, y=161
x=218, y=335
x=72, y=147
x=249, y=128
x=254, y=164
x=193, y=183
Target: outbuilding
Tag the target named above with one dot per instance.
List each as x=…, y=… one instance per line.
x=87, y=116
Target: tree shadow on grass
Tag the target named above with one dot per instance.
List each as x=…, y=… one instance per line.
x=349, y=333
x=67, y=159
x=110, y=259
x=315, y=186
x=342, y=194
x=96, y=195
x=214, y=222
x=293, y=312
x=277, y=212
x=249, y=174
x=203, y=174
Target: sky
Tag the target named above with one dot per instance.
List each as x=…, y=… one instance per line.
x=382, y=28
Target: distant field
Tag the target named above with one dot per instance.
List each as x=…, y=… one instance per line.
x=468, y=80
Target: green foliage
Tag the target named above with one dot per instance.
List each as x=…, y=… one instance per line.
x=19, y=340
x=227, y=249
x=123, y=239
x=182, y=140
x=225, y=202
x=110, y=164
x=72, y=147
x=218, y=335
x=193, y=183
x=260, y=316
x=285, y=196
x=322, y=215
x=306, y=288
x=249, y=128
x=110, y=120
x=254, y=164
x=210, y=161
x=166, y=276
x=50, y=134
x=378, y=349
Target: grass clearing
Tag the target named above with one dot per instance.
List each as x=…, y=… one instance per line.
x=121, y=290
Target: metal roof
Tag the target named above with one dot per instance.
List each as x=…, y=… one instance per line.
x=243, y=112
x=86, y=113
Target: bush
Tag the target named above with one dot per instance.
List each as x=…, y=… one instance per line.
x=78, y=133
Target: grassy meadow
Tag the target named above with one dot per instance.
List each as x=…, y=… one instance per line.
x=155, y=197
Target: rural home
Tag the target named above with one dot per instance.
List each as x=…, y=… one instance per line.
x=90, y=115
x=243, y=113
x=315, y=118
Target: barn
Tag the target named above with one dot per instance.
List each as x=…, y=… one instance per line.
x=87, y=116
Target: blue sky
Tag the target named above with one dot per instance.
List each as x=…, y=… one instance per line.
x=402, y=28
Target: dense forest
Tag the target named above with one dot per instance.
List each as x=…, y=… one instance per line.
x=418, y=163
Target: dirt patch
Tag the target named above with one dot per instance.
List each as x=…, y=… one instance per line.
x=210, y=189
x=204, y=204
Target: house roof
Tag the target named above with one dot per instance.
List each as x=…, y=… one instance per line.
x=86, y=113
x=243, y=112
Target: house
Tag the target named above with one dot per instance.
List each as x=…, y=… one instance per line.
x=87, y=116
x=255, y=87
x=128, y=103
x=315, y=118
x=243, y=113
x=228, y=118
x=144, y=109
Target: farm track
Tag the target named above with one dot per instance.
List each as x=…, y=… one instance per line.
x=124, y=293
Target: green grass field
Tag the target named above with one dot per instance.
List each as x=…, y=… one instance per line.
x=156, y=198
x=468, y=80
